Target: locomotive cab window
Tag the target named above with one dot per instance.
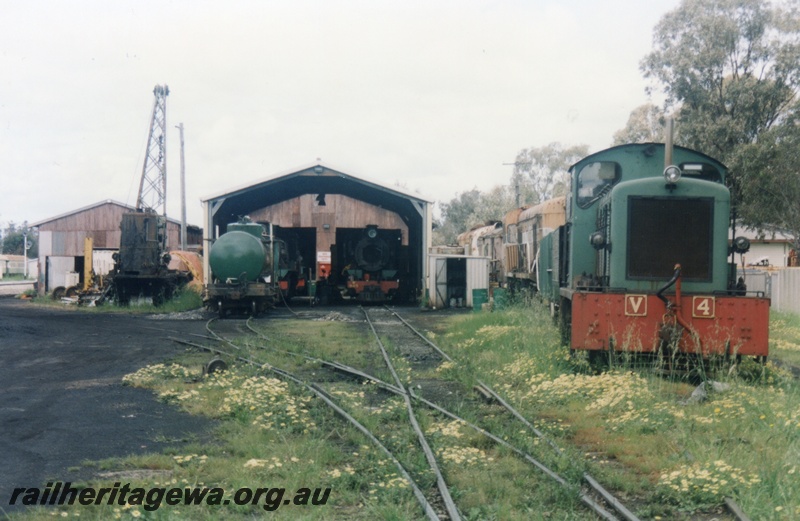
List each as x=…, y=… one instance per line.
x=701, y=171
x=595, y=179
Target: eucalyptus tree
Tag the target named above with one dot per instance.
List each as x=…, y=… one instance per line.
x=543, y=171
x=471, y=208
x=645, y=125
x=730, y=70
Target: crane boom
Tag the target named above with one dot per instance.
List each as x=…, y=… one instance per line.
x=153, y=185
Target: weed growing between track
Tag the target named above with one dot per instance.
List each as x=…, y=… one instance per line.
x=184, y=299
x=629, y=427
x=784, y=337
x=638, y=430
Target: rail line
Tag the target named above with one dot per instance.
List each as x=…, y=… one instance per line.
x=430, y=513
x=441, y=484
x=416, y=348
x=594, y=484
x=598, y=489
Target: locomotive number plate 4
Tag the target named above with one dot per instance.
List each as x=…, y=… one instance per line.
x=636, y=305
x=703, y=307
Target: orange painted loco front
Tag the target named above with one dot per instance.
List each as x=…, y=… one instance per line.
x=707, y=324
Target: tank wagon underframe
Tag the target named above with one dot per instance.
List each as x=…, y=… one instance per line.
x=254, y=297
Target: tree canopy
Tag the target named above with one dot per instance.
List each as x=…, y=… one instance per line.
x=645, y=125
x=730, y=70
x=544, y=170
x=729, y=66
x=539, y=174
x=14, y=240
x=470, y=209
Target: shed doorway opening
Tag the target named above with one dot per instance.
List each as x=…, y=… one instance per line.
x=451, y=282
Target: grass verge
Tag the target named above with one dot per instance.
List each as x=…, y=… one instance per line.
x=184, y=299
x=632, y=428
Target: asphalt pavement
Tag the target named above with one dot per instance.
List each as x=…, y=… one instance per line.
x=62, y=401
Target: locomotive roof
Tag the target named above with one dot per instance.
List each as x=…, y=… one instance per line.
x=652, y=148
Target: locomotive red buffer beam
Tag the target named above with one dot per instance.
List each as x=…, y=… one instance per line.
x=372, y=290
x=636, y=322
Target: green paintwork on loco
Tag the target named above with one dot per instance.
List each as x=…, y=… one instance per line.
x=646, y=225
x=547, y=267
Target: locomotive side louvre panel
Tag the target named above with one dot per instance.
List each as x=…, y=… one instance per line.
x=603, y=253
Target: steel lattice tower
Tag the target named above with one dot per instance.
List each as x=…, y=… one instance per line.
x=153, y=185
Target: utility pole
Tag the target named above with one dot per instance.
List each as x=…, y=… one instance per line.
x=183, y=192
x=516, y=165
x=25, y=249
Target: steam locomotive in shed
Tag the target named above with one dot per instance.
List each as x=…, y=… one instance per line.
x=243, y=263
x=372, y=260
x=252, y=269
x=640, y=257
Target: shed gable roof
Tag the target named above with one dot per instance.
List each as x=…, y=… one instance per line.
x=317, y=178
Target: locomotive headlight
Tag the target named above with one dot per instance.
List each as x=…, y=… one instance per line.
x=672, y=173
x=597, y=240
x=741, y=245
x=372, y=233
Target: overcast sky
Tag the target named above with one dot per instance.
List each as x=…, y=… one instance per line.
x=434, y=95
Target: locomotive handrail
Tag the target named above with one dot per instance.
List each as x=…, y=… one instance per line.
x=739, y=293
x=668, y=285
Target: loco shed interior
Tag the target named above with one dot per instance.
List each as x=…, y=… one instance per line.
x=322, y=214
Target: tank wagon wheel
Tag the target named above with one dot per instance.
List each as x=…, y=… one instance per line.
x=221, y=310
x=59, y=292
x=71, y=291
x=253, y=308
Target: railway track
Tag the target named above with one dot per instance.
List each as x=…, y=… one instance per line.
x=399, y=343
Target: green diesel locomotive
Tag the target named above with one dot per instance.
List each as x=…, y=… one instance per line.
x=646, y=259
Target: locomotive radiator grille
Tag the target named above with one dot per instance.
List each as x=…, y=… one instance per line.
x=664, y=231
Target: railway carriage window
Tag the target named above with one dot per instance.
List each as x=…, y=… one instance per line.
x=594, y=179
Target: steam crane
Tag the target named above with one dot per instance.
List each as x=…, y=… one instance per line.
x=140, y=267
x=153, y=185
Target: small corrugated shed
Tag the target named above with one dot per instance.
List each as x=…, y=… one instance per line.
x=452, y=279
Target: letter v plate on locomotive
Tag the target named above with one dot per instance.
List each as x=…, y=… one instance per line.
x=636, y=305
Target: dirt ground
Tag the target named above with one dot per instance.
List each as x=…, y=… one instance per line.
x=61, y=396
